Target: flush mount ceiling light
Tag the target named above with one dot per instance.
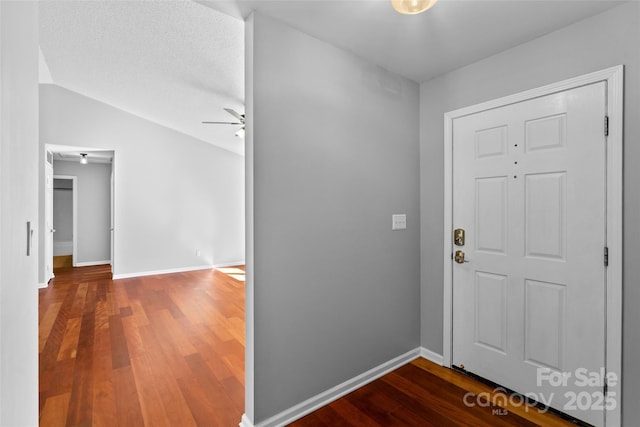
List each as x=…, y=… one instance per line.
x=83, y=159
x=412, y=7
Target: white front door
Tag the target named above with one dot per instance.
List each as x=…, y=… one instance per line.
x=48, y=221
x=529, y=189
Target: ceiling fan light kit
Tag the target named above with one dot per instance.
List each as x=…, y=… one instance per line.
x=412, y=7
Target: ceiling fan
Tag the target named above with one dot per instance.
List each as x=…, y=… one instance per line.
x=241, y=122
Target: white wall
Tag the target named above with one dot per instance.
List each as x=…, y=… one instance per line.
x=332, y=154
x=603, y=41
x=18, y=204
x=174, y=194
x=93, y=195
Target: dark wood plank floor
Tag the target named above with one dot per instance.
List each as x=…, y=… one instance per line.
x=422, y=393
x=168, y=350
x=157, y=351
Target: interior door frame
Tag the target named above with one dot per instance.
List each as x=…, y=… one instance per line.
x=47, y=224
x=112, y=213
x=613, y=77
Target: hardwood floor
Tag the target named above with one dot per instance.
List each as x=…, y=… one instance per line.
x=157, y=351
x=62, y=261
x=168, y=350
x=424, y=394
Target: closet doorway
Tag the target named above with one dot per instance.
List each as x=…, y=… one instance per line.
x=64, y=220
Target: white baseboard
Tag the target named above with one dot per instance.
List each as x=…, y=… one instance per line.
x=229, y=264
x=46, y=284
x=155, y=272
x=91, y=263
x=245, y=421
x=432, y=356
x=300, y=410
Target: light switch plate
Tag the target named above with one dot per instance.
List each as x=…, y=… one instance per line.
x=398, y=222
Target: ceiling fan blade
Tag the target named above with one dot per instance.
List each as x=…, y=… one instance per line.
x=235, y=114
x=222, y=123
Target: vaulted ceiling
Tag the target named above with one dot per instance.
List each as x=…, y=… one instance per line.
x=176, y=63
x=181, y=62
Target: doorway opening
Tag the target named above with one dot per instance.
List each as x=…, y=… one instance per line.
x=79, y=208
x=65, y=228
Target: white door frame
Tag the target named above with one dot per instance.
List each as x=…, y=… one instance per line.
x=613, y=77
x=112, y=213
x=74, y=196
x=47, y=224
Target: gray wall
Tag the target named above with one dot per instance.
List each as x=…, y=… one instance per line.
x=18, y=204
x=173, y=194
x=335, y=154
x=603, y=41
x=62, y=215
x=94, y=209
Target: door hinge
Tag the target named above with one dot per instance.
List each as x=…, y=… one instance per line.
x=606, y=125
x=606, y=256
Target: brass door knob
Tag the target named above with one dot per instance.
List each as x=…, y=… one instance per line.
x=459, y=257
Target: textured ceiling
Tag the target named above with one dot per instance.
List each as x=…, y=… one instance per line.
x=176, y=63
x=452, y=34
x=180, y=62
